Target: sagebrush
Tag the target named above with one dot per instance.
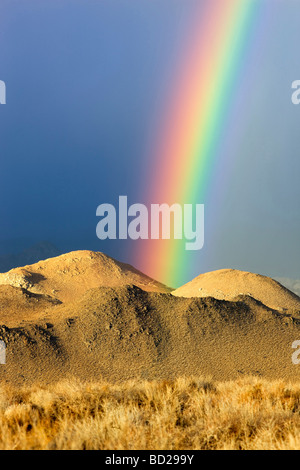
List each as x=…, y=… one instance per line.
x=181, y=414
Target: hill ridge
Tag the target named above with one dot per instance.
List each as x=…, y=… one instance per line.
x=229, y=283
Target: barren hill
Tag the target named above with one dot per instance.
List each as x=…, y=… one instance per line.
x=125, y=332
x=86, y=315
x=69, y=276
x=227, y=284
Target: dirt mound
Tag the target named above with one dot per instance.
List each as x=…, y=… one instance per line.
x=125, y=332
x=227, y=284
x=86, y=315
x=69, y=276
x=18, y=305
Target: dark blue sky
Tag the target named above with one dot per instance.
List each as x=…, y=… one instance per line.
x=81, y=79
x=84, y=84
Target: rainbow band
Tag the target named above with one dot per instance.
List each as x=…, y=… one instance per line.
x=198, y=115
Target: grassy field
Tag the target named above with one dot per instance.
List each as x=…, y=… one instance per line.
x=182, y=414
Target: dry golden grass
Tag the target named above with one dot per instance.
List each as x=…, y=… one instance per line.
x=182, y=414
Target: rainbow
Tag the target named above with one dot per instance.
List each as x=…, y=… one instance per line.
x=196, y=116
